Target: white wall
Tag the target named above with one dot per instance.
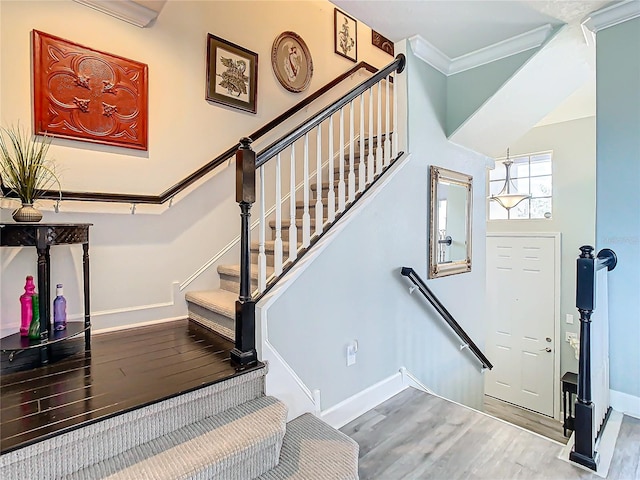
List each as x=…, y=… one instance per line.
x=354, y=290
x=137, y=260
x=574, y=201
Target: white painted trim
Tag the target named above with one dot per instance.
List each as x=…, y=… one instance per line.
x=450, y=66
x=557, y=341
x=411, y=380
x=136, y=325
x=126, y=10
x=625, y=403
x=609, y=17
x=351, y=408
x=283, y=382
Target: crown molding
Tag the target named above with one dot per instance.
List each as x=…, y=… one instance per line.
x=430, y=54
x=511, y=46
x=126, y=10
x=609, y=17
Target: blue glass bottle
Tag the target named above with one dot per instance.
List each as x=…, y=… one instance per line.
x=59, y=310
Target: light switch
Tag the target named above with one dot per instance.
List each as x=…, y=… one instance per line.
x=569, y=318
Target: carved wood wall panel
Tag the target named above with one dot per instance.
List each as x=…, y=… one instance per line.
x=84, y=94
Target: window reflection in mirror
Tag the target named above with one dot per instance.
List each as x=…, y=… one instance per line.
x=450, y=221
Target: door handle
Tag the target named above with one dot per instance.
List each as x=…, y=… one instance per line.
x=548, y=350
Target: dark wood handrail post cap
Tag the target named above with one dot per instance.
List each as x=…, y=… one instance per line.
x=586, y=251
x=403, y=62
x=245, y=143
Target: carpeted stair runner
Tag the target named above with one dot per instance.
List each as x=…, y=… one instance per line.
x=66, y=453
x=227, y=431
x=314, y=450
x=240, y=443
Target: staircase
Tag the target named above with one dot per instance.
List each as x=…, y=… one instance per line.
x=229, y=430
x=215, y=309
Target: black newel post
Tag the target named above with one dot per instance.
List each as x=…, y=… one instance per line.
x=244, y=354
x=584, y=449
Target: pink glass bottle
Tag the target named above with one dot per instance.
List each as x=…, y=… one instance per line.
x=26, y=309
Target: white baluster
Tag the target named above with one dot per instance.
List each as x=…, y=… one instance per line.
x=277, y=245
x=319, y=206
x=395, y=119
x=370, y=158
x=387, y=136
x=293, y=230
x=262, y=258
x=341, y=189
x=362, y=179
x=331, y=196
x=379, y=153
x=352, y=174
x=306, y=218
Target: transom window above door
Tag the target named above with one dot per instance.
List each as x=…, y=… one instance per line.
x=531, y=175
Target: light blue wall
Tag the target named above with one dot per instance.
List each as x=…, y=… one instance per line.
x=354, y=290
x=618, y=193
x=468, y=90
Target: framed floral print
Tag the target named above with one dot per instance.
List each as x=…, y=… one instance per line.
x=291, y=62
x=232, y=75
x=345, y=33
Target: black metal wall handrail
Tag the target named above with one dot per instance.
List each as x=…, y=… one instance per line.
x=172, y=191
x=411, y=274
x=272, y=150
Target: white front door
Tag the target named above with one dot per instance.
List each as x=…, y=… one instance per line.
x=521, y=293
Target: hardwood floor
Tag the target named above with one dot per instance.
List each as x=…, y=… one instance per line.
x=124, y=370
x=415, y=435
x=540, y=424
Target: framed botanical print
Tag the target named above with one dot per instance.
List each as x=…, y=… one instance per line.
x=291, y=62
x=232, y=74
x=345, y=34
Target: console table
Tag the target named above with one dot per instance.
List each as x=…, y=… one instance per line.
x=43, y=236
x=569, y=388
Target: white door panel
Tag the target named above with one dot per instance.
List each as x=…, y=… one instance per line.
x=521, y=274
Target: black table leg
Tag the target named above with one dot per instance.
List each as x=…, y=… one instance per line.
x=87, y=300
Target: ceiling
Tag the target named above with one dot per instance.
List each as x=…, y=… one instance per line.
x=461, y=27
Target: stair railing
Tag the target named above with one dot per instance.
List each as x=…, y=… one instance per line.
x=377, y=148
x=183, y=184
x=592, y=404
x=411, y=274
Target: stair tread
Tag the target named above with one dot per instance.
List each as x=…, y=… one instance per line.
x=313, y=449
x=219, y=301
x=234, y=270
x=213, y=446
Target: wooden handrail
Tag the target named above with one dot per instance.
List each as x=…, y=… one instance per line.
x=206, y=168
x=269, y=152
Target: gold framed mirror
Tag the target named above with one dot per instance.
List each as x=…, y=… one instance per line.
x=449, y=222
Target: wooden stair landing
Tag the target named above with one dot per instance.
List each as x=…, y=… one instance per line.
x=125, y=370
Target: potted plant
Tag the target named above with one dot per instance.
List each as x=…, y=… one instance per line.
x=25, y=169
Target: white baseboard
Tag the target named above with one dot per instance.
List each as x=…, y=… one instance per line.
x=351, y=408
x=625, y=403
